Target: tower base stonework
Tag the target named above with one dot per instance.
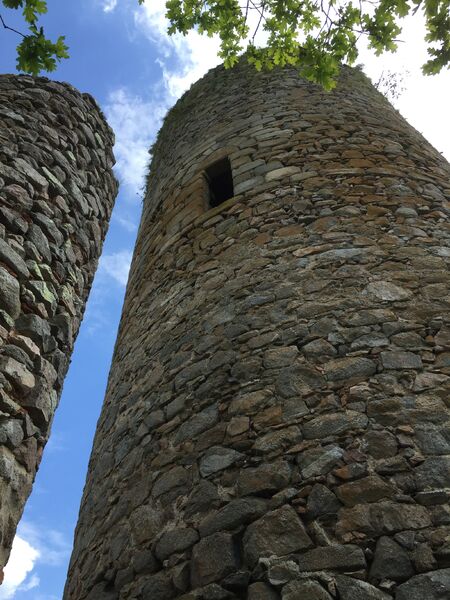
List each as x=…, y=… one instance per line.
x=56, y=195
x=276, y=419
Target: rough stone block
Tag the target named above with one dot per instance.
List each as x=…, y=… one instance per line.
x=336, y=557
x=213, y=558
x=279, y=532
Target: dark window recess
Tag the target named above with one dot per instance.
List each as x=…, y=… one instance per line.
x=220, y=182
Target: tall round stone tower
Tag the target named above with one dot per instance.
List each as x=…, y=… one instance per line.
x=275, y=425
x=56, y=194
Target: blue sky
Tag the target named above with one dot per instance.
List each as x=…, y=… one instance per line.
x=122, y=56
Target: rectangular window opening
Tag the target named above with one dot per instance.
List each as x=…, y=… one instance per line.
x=220, y=182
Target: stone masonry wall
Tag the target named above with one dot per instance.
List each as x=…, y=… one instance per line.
x=276, y=422
x=56, y=195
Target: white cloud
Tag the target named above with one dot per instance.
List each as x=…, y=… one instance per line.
x=116, y=265
x=21, y=562
x=31, y=547
x=51, y=545
x=109, y=5
x=135, y=123
x=136, y=119
x=183, y=58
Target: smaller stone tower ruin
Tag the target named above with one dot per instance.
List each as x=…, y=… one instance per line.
x=56, y=195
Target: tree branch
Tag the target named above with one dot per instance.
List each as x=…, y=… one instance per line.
x=5, y=26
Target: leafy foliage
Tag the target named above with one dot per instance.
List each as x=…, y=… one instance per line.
x=314, y=35
x=36, y=52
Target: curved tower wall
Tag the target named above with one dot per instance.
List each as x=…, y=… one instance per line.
x=56, y=194
x=275, y=424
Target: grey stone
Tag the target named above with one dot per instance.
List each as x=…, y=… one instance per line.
x=334, y=424
x=213, y=558
x=181, y=576
x=294, y=408
x=202, y=498
x=174, y=541
x=100, y=592
x=145, y=523
x=319, y=348
x=265, y=479
x=390, y=561
x=280, y=173
x=197, y=424
x=380, y=444
x=408, y=339
x=18, y=374
x=11, y=432
x=158, y=587
x=434, y=472
x=144, y=562
x=235, y=514
x=123, y=577
x=18, y=195
x=178, y=477
x=304, y=590
x=281, y=439
x=249, y=403
x=50, y=228
x=298, y=381
x=44, y=293
x=18, y=354
x=36, y=236
x=236, y=581
x=430, y=586
x=214, y=592
x=389, y=292
x=368, y=317
x=423, y=558
x=382, y=518
x=322, y=501
x=320, y=461
x=279, y=357
x=13, y=260
x=9, y=293
x=355, y=589
x=280, y=570
x=12, y=473
x=33, y=327
x=349, y=368
x=370, y=340
x=154, y=419
x=41, y=404
x=238, y=425
x=367, y=489
x=218, y=458
x=279, y=532
x=400, y=360
x=425, y=381
x=335, y=557
x=261, y=591
x=433, y=497
x=30, y=173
